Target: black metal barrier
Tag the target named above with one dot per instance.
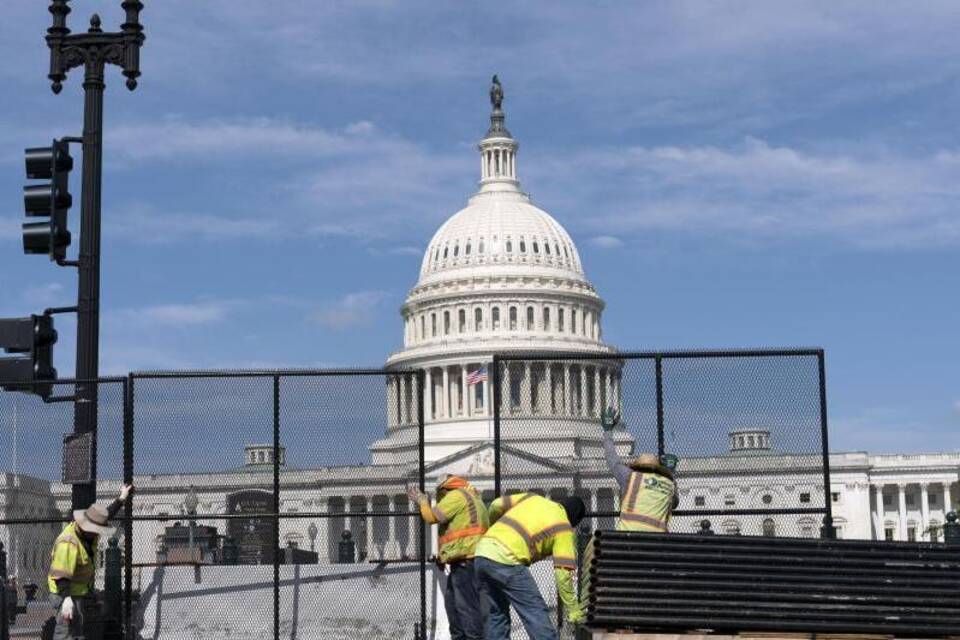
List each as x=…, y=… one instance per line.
x=750, y=428
x=684, y=582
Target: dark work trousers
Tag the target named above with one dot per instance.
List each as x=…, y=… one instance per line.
x=68, y=630
x=463, y=604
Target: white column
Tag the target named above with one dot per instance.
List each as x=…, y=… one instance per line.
x=506, y=396
x=487, y=393
x=551, y=399
x=404, y=407
x=583, y=391
x=924, y=508
x=947, y=499
x=878, y=519
x=597, y=408
x=902, y=528
x=464, y=390
x=446, y=392
x=526, y=392
x=428, y=396
x=566, y=389
x=543, y=391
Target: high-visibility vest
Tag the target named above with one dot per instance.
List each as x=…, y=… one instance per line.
x=70, y=559
x=647, y=503
x=463, y=521
x=533, y=528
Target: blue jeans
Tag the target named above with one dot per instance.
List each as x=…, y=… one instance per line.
x=462, y=602
x=502, y=585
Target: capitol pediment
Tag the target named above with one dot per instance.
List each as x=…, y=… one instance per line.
x=477, y=461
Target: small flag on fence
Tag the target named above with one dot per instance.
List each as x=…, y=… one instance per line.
x=480, y=375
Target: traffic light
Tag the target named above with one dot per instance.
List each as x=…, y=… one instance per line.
x=51, y=200
x=34, y=337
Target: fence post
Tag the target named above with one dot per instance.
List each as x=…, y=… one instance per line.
x=661, y=440
x=495, y=396
x=827, y=531
x=128, y=417
x=276, y=507
x=4, y=618
x=951, y=530
x=112, y=627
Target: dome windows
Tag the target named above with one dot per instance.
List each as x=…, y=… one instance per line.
x=467, y=251
x=546, y=318
x=529, y=318
x=462, y=321
x=513, y=318
x=433, y=325
x=445, y=250
x=536, y=248
x=573, y=321
x=509, y=246
x=560, y=319
x=477, y=319
x=546, y=247
x=496, y=319
x=480, y=248
x=456, y=250
x=523, y=245
x=446, y=323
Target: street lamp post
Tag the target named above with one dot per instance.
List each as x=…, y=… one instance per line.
x=94, y=50
x=312, y=532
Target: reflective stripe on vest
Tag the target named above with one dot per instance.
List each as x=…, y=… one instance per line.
x=473, y=528
x=81, y=572
x=646, y=506
x=532, y=540
x=508, y=502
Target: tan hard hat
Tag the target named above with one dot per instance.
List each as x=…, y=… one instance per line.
x=650, y=462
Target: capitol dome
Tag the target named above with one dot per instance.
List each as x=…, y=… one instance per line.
x=500, y=276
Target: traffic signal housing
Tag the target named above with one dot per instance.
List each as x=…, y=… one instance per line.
x=31, y=341
x=51, y=200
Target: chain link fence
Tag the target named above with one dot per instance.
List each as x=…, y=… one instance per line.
x=749, y=428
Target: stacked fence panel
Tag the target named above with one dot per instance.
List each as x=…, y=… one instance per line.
x=669, y=582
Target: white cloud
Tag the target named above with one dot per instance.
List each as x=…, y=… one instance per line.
x=353, y=310
x=606, y=242
x=46, y=295
x=761, y=191
x=406, y=251
x=216, y=140
x=176, y=315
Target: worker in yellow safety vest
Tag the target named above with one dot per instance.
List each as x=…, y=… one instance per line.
x=462, y=518
x=648, y=493
x=73, y=564
x=525, y=528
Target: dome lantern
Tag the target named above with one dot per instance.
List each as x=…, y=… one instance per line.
x=498, y=149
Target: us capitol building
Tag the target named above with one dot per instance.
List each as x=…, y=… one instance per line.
x=503, y=276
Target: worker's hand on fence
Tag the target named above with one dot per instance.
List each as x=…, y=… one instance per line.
x=610, y=419
x=66, y=609
x=414, y=493
x=577, y=616
x=125, y=491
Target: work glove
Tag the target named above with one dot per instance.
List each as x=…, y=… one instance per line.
x=576, y=616
x=415, y=494
x=125, y=492
x=66, y=609
x=610, y=419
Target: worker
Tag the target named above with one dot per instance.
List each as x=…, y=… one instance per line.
x=462, y=518
x=648, y=493
x=73, y=563
x=525, y=528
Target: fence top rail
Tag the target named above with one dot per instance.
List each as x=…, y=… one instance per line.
x=268, y=373
x=65, y=381
x=664, y=355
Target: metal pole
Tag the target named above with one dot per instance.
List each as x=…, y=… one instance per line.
x=88, y=288
x=4, y=620
x=128, y=416
x=421, y=419
x=495, y=381
x=828, y=530
x=661, y=447
x=276, y=507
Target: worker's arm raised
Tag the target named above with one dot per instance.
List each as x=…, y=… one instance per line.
x=621, y=472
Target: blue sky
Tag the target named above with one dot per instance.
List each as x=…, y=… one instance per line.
x=734, y=173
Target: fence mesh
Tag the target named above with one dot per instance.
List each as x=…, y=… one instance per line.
x=746, y=426
x=277, y=505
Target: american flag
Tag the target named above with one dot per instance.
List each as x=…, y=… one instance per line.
x=480, y=375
